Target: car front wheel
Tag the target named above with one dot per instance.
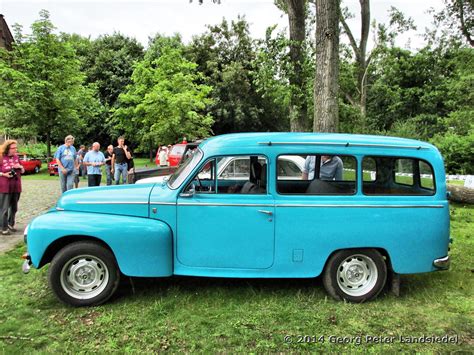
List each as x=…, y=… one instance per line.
x=355, y=275
x=84, y=274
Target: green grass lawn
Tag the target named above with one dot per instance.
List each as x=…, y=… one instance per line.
x=205, y=314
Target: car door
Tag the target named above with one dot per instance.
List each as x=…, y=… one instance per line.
x=221, y=226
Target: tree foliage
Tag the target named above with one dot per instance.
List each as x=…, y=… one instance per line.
x=43, y=91
x=226, y=56
x=166, y=99
x=108, y=63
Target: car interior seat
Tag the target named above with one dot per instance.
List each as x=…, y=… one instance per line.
x=252, y=186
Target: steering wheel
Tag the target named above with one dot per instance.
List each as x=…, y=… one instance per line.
x=199, y=183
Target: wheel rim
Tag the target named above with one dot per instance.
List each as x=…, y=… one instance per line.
x=84, y=277
x=357, y=275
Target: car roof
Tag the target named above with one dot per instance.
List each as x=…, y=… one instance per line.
x=302, y=138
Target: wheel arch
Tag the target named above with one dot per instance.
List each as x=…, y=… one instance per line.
x=60, y=243
x=382, y=251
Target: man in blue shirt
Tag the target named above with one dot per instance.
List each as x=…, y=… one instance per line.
x=66, y=159
x=93, y=160
x=330, y=169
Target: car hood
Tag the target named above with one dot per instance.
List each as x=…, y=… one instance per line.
x=130, y=200
x=154, y=179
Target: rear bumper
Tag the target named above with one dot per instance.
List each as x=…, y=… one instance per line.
x=442, y=263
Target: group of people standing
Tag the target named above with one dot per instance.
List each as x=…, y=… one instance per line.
x=117, y=161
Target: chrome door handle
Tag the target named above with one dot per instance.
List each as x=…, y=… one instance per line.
x=266, y=212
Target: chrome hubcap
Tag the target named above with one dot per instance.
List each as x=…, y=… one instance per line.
x=357, y=275
x=84, y=277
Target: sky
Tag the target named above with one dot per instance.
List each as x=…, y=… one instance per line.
x=144, y=18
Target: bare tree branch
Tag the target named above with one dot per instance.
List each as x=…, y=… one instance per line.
x=464, y=30
x=348, y=31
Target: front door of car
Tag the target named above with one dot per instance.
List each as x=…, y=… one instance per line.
x=226, y=223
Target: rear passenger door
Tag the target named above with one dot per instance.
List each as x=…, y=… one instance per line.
x=314, y=213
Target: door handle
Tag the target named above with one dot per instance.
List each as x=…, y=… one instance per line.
x=266, y=212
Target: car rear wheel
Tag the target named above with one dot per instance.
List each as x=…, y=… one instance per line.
x=84, y=274
x=355, y=275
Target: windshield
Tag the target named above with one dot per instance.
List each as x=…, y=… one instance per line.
x=188, y=163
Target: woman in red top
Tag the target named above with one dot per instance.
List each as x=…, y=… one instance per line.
x=10, y=185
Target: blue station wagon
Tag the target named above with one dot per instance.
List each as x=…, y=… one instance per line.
x=364, y=208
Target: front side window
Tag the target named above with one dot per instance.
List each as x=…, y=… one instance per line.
x=397, y=176
x=317, y=174
x=231, y=175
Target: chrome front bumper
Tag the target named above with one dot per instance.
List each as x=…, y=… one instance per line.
x=442, y=263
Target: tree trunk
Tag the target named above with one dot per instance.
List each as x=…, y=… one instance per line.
x=461, y=194
x=48, y=145
x=360, y=54
x=364, y=36
x=150, y=146
x=298, y=107
x=326, y=111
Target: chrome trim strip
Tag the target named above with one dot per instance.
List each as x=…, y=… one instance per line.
x=250, y=204
x=59, y=209
x=225, y=204
x=308, y=205
x=347, y=144
x=111, y=203
x=359, y=206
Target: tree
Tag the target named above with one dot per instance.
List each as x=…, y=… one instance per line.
x=463, y=13
x=384, y=36
x=166, y=100
x=327, y=63
x=360, y=51
x=44, y=92
x=226, y=56
x=298, y=110
x=109, y=65
x=326, y=87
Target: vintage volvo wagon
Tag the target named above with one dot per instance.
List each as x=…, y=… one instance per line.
x=365, y=208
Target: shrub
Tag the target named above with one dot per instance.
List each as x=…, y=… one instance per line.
x=457, y=150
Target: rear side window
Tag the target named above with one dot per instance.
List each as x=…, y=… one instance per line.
x=427, y=178
x=397, y=176
x=316, y=174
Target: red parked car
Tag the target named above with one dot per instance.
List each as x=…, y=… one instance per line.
x=176, y=153
x=53, y=167
x=31, y=165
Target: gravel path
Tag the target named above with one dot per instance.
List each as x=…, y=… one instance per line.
x=37, y=197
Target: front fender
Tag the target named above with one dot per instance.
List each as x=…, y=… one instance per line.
x=142, y=246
